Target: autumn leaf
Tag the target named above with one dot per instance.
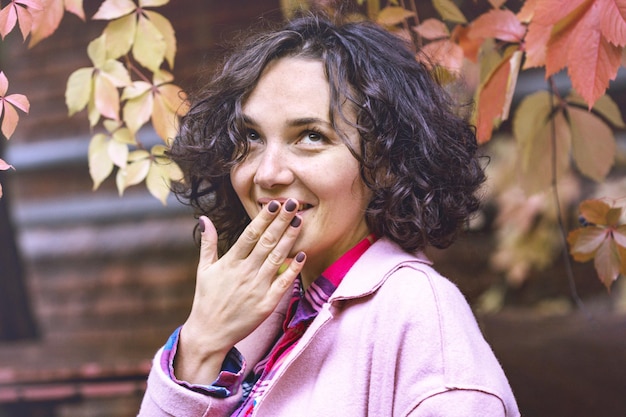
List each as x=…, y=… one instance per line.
x=97, y=86
x=607, y=261
x=432, y=29
x=18, y=12
x=613, y=22
x=393, y=15
x=135, y=171
x=470, y=46
x=593, y=143
x=534, y=126
x=444, y=53
x=449, y=11
x=576, y=40
x=8, y=103
x=498, y=24
x=495, y=95
x=47, y=20
x=598, y=212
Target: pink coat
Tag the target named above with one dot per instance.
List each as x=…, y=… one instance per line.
x=395, y=339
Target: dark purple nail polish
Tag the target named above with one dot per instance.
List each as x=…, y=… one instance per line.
x=201, y=225
x=273, y=206
x=290, y=205
x=300, y=257
x=296, y=221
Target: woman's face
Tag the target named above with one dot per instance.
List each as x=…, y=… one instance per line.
x=295, y=153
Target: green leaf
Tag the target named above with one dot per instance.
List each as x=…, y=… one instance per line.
x=449, y=11
x=96, y=51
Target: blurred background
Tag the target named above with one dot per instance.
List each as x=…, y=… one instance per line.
x=92, y=284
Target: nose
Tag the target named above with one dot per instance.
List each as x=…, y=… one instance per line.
x=273, y=167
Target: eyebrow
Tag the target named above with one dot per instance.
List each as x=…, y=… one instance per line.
x=301, y=121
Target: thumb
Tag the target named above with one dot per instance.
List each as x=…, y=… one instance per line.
x=208, y=242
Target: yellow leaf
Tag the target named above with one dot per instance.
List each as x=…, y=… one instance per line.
x=137, y=111
x=124, y=135
x=153, y=3
x=133, y=174
x=138, y=155
x=149, y=47
x=162, y=77
x=116, y=72
x=106, y=98
x=607, y=262
x=100, y=164
x=158, y=182
x=78, y=90
x=97, y=51
x=119, y=35
x=393, y=15
x=593, y=144
x=448, y=10
x=118, y=152
x=165, y=28
x=93, y=113
x=112, y=9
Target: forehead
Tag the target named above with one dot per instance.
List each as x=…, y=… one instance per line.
x=290, y=85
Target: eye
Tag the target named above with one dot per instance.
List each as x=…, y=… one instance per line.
x=252, y=136
x=312, y=137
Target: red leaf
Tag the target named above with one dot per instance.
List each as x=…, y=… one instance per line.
x=535, y=42
x=549, y=12
x=499, y=24
x=432, y=29
x=613, y=24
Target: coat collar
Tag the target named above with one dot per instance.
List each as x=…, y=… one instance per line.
x=373, y=268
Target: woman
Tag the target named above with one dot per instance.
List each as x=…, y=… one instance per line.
x=326, y=159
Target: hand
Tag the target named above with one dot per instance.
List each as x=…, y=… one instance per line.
x=235, y=293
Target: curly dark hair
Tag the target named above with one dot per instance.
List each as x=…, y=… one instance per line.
x=417, y=155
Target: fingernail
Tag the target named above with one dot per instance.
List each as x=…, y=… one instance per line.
x=300, y=257
x=296, y=221
x=201, y=225
x=273, y=206
x=290, y=205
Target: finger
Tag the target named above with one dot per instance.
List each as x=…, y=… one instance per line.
x=208, y=242
x=279, y=231
x=252, y=233
x=273, y=260
x=285, y=280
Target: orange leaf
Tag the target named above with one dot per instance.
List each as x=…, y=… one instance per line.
x=470, y=46
x=527, y=12
x=595, y=211
x=393, y=15
x=607, y=262
x=584, y=242
x=495, y=96
x=432, y=29
x=498, y=24
x=613, y=23
x=552, y=11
